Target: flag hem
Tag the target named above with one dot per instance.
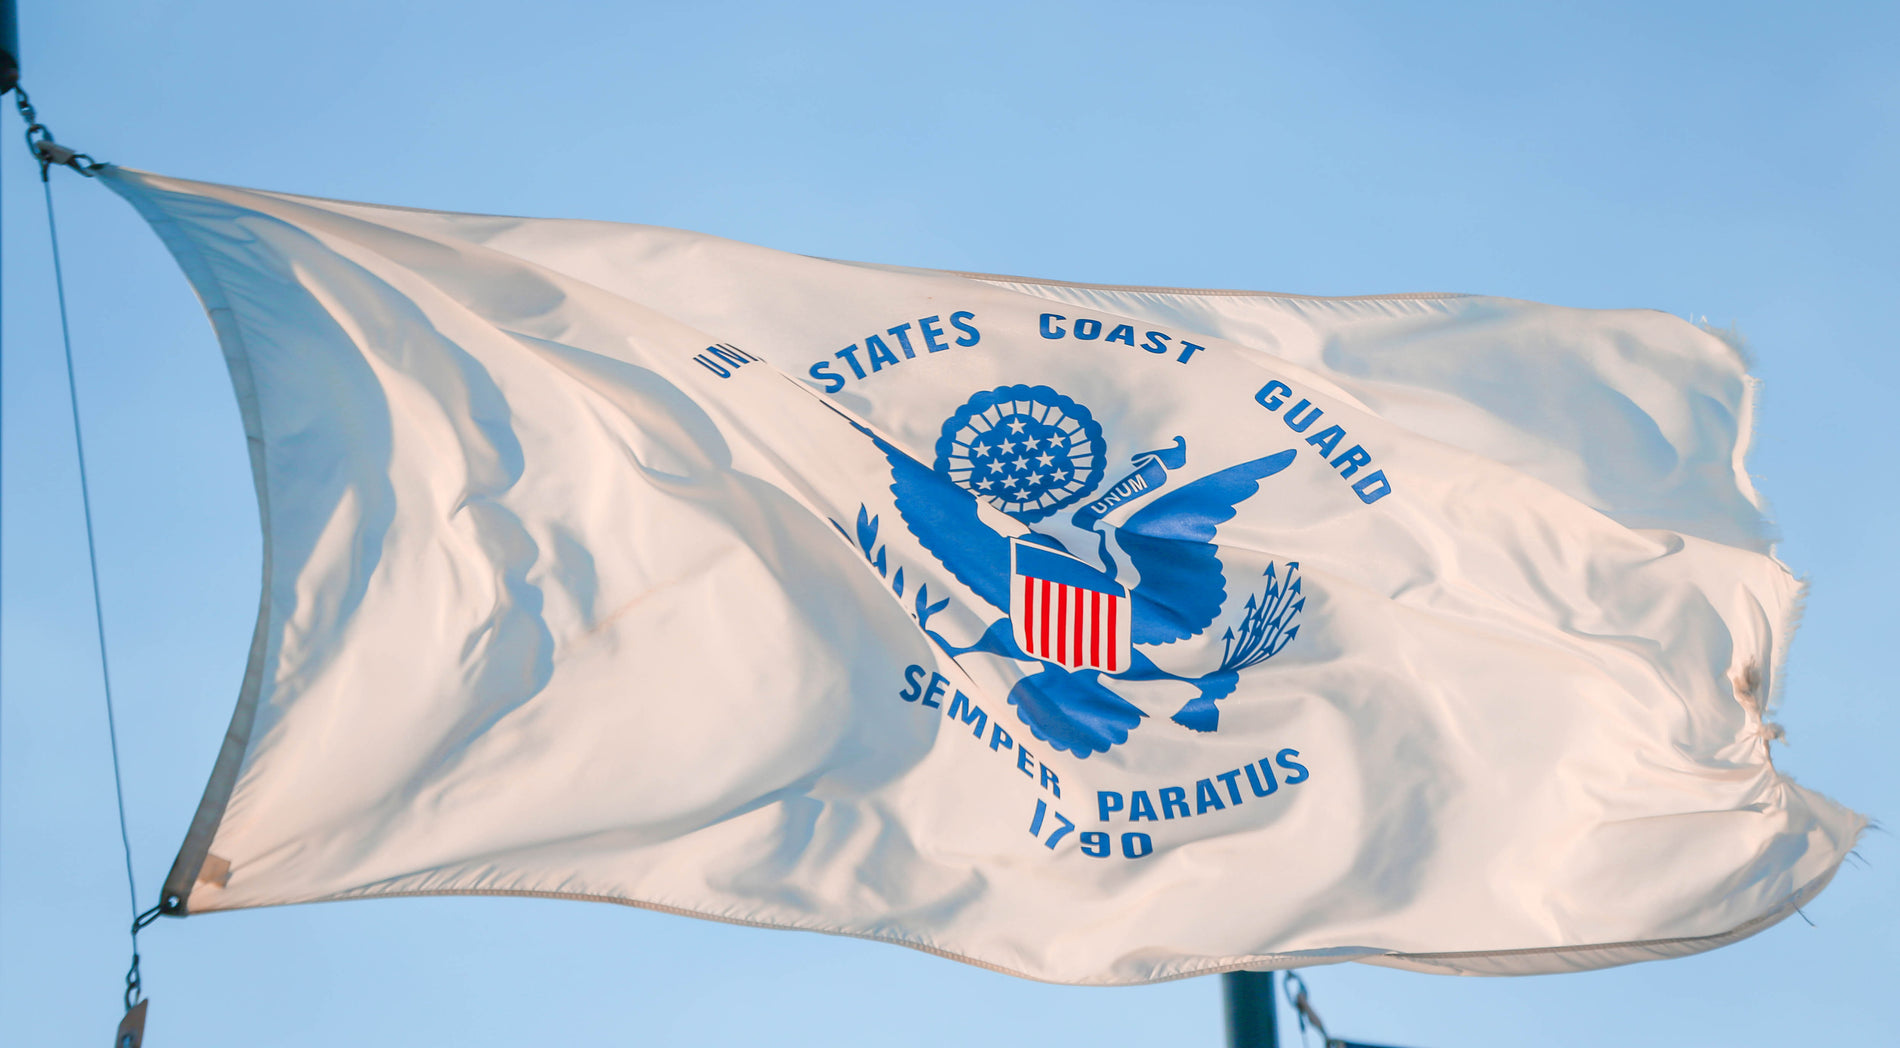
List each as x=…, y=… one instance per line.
x=205, y=821
x=993, y=277
x=1005, y=278
x=1659, y=949
x=1589, y=956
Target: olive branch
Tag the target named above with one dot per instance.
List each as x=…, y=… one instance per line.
x=874, y=554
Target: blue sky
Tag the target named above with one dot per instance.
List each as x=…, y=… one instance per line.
x=1734, y=161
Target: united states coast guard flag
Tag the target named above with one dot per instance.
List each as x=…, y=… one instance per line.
x=1090, y=634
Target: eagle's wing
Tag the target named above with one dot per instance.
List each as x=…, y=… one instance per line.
x=1171, y=543
x=944, y=518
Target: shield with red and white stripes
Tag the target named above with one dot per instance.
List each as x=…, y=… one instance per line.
x=1065, y=611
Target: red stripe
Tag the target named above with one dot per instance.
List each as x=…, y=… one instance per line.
x=1095, y=630
x=1080, y=658
x=1114, y=638
x=1062, y=623
x=1029, y=614
x=1044, y=617
x=1076, y=654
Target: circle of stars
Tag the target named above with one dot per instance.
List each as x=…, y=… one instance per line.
x=1023, y=463
x=1027, y=450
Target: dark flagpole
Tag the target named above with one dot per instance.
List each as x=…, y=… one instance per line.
x=9, y=78
x=1251, y=1022
x=9, y=46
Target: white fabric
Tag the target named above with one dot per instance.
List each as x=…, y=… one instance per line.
x=562, y=600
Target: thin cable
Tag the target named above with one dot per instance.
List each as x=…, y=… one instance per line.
x=92, y=554
x=39, y=140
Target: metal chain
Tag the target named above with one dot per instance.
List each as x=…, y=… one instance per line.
x=133, y=992
x=39, y=140
x=1303, y=1007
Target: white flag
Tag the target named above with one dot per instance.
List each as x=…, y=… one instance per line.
x=1091, y=634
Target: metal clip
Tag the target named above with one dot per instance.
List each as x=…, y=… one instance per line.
x=1303, y=1008
x=131, y=1028
x=51, y=152
x=39, y=140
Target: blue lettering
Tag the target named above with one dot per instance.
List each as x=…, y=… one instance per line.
x=902, y=331
x=1326, y=439
x=1050, y=782
x=1299, y=771
x=999, y=737
x=1157, y=342
x=729, y=355
x=1024, y=759
x=970, y=335
x=1059, y=834
x=1136, y=845
x=849, y=355
x=717, y=369
x=1173, y=797
x=1108, y=802
x=1293, y=420
x=1188, y=349
x=1140, y=807
x=1373, y=488
x=1049, y=330
x=832, y=380
x=1123, y=333
x=1254, y=780
x=1231, y=780
x=932, y=330
x=914, y=676
x=1087, y=329
x=879, y=353
x=971, y=712
x=1273, y=394
x=1205, y=798
x=1354, y=457
x=937, y=683
x=1094, y=844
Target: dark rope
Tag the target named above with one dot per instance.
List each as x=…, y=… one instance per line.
x=48, y=153
x=92, y=550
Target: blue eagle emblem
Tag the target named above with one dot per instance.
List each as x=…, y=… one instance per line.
x=1032, y=453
